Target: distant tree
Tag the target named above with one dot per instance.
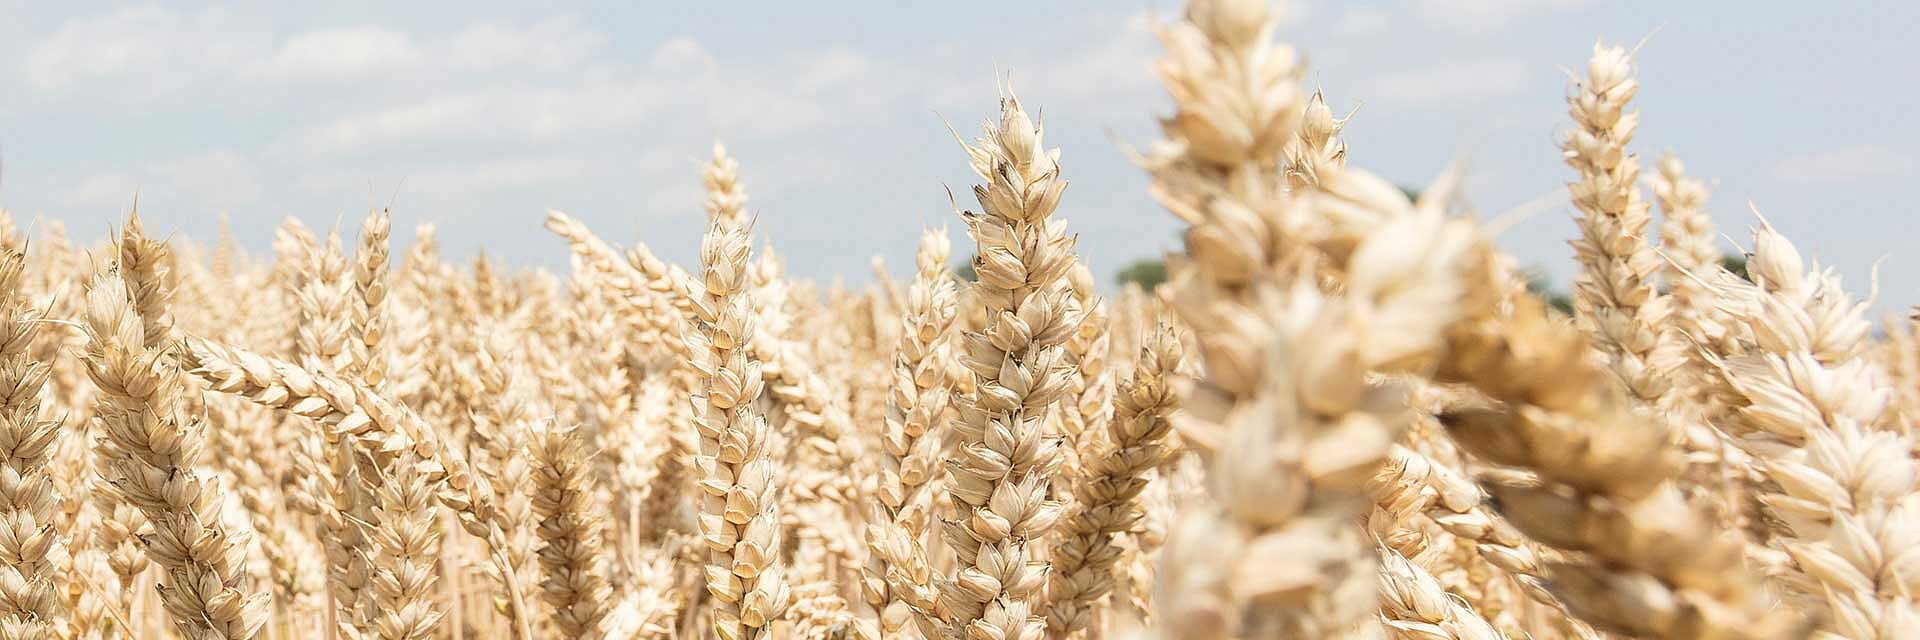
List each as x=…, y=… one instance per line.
x=1540, y=285
x=1412, y=193
x=964, y=270
x=1736, y=263
x=1146, y=272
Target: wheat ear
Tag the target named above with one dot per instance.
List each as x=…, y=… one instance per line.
x=1647, y=564
x=1687, y=239
x=1615, y=293
x=407, y=544
x=1816, y=415
x=918, y=398
x=1005, y=462
x=1277, y=552
x=152, y=450
x=1106, y=495
x=377, y=426
x=31, y=584
x=739, y=509
x=572, y=551
x=370, y=317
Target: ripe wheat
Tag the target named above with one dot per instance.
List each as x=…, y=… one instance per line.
x=1342, y=416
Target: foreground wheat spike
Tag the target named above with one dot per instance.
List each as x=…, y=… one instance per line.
x=1615, y=292
x=1005, y=461
x=1106, y=497
x=1644, y=562
x=146, y=266
x=1317, y=149
x=152, y=450
x=798, y=402
x=1293, y=427
x=916, y=403
x=1415, y=607
x=1816, y=415
x=739, y=511
x=31, y=586
x=572, y=550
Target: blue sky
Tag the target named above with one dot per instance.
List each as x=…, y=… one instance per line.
x=481, y=116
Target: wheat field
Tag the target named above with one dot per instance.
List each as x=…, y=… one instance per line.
x=1343, y=416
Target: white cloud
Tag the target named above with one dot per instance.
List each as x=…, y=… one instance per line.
x=683, y=55
x=139, y=55
x=1361, y=22
x=341, y=54
x=531, y=114
x=552, y=44
x=668, y=173
x=151, y=55
x=104, y=191
x=1107, y=67
x=445, y=182
x=1844, y=165
x=220, y=179
x=1453, y=84
x=1486, y=16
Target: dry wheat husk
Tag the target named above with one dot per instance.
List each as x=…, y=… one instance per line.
x=999, y=479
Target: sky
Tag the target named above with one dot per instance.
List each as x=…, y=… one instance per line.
x=479, y=116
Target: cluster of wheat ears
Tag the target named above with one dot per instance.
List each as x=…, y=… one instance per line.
x=1344, y=416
